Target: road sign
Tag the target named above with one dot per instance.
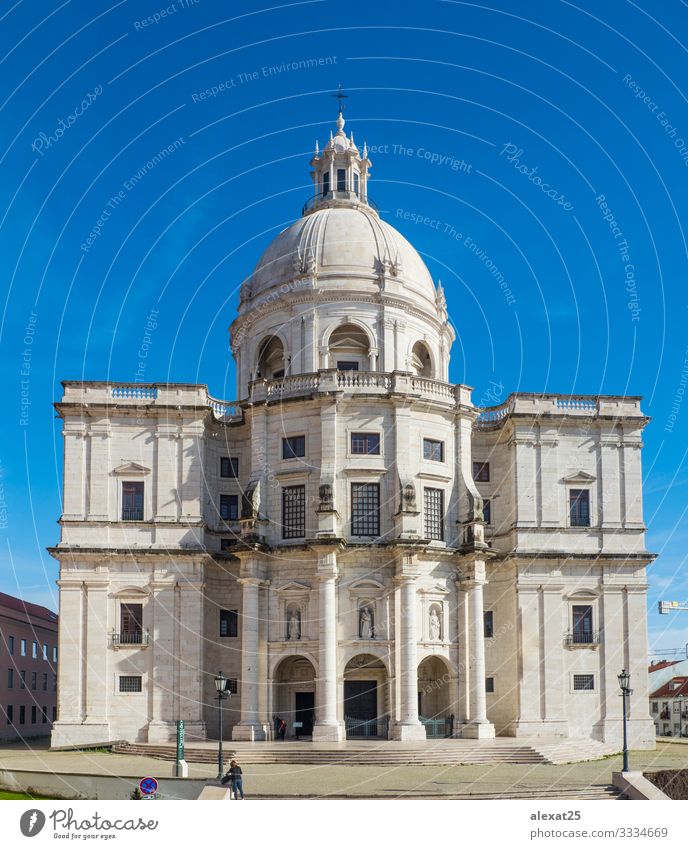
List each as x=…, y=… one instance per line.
x=148, y=786
x=666, y=607
x=180, y=740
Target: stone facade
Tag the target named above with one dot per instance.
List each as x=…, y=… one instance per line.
x=355, y=544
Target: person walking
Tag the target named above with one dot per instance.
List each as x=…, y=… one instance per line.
x=282, y=729
x=236, y=779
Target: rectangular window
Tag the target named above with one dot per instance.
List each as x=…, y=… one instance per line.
x=131, y=623
x=54, y=683
x=232, y=686
x=132, y=501
x=54, y=712
x=33, y=714
x=481, y=471
x=130, y=684
x=582, y=623
x=34, y=650
x=10, y=679
x=677, y=707
x=45, y=682
x=356, y=183
x=10, y=645
x=226, y=544
x=489, y=685
x=433, y=449
x=326, y=183
x=22, y=648
x=365, y=509
x=433, y=508
x=487, y=511
x=229, y=507
x=229, y=623
x=579, y=508
x=293, y=512
x=34, y=680
x=347, y=365
x=229, y=467
x=365, y=443
x=22, y=681
x=9, y=710
x=44, y=715
x=583, y=682
x=488, y=624
x=341, y=179
x=22, y=714
x=654, y=707
x=54, y=654
x=293, y=446
x=45, y=651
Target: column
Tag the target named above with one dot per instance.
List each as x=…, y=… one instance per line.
x=67, y=730
x=328, y=728
x=525, y=483
x=548, y=468
x=192, y=471
x=641, y=729
x=478, y=726
x=552, y=660
x=98, y=682
x=249, y=727
x=609, y=488
x=614, y=659
x=163, y=625
x=74, y=472
x=529, y=717
x=408, y=726
x=99, y=472
x=166, y=475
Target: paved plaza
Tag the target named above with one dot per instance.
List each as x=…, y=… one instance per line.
x=307, y=781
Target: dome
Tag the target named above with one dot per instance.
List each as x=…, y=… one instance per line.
x=346, y=246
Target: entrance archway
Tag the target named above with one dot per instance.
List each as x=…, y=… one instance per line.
x=435, y=707
x=366, y=710
x=294, y=695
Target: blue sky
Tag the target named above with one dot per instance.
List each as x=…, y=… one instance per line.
x=472, y=110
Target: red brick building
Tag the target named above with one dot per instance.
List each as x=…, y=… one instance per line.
x=28, y=669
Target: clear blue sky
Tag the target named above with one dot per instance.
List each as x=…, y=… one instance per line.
x=495, y=101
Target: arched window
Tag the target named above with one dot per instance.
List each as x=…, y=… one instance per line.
x=349, y=348
x=271, y=358
x=421, y=364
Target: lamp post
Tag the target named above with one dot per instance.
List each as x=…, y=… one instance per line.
x=680, y=715
x=624, y=682
x=221, y=687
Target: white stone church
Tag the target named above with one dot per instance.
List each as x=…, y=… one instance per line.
x=361, y=550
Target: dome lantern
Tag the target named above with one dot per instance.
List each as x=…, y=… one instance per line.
x=340, y=173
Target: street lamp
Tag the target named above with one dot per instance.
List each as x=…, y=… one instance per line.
x=221, y=686
x=624, y=681
x=680, y=699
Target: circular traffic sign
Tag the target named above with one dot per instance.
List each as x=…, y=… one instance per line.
x=148, y=786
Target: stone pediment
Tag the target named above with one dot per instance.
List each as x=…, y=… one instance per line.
x=293, y=587
x=436, y=590
x=131, y=469
x=579, y=477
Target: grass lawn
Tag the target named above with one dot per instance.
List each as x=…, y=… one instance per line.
x=6, y=795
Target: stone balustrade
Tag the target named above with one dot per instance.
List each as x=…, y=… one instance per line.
x=535, y=404
x=328, y=381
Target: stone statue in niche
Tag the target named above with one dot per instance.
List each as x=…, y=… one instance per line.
x=365, y=626
x=326, y=497
x=408, y=496
x=435, y=625
x=294, y=625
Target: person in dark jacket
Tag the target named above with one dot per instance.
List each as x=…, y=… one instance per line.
x=236, y=779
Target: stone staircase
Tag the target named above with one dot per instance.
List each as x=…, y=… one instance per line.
x=383, y=753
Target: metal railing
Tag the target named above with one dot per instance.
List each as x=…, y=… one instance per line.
x=366, y=728
x=437, y=727
x=130, y=638
x=132, y=514
x=578, y=637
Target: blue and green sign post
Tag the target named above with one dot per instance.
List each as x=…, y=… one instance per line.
x=180, y=745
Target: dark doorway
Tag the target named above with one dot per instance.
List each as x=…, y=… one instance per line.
x=304, y=709
x=360, y=699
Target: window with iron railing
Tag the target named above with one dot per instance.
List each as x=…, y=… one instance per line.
x=132, y=501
